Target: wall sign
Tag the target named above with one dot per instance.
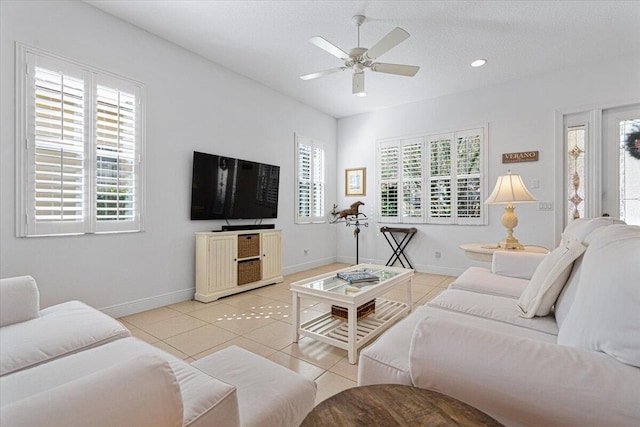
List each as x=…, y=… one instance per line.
x=525, y=156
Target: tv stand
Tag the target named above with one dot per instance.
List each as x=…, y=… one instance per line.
x=229, y=262
x=248, y=227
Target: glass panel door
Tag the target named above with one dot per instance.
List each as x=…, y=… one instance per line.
x=621, y=164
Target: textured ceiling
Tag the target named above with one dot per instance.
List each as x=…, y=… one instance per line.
x=267, y=41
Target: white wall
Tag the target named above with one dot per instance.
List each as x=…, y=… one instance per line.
x=192, y=104
x=521, y=118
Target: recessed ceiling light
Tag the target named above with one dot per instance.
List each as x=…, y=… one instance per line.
x=478, y=62
x=361, y=94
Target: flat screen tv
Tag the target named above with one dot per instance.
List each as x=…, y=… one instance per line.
x=228, y=188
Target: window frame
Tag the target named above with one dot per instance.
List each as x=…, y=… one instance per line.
x=314, y=146
x=27, y=58
x=427, y=178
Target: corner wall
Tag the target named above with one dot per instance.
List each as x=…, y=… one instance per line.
x=521, y=117
x=192, y=104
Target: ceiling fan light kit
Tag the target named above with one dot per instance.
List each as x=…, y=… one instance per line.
x=360, y=58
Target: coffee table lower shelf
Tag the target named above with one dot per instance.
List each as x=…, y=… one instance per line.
x=335, y=331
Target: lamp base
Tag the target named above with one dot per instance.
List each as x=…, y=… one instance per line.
x=511, y=243
x=510, y=221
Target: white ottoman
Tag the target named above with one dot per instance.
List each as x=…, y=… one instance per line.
x=268, y=394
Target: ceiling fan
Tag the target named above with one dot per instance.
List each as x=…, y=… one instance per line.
x=360, y=58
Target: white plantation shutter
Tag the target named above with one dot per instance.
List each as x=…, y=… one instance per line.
x=388, y=177
x=310, y=181
x=438, y=179
x=58, y=146
x=318, y=182
x=470, y=197
x=440, y=194
x=54, y=192
x=304, y=180
x=116, y=160
x=77, y=142
x=412, y=180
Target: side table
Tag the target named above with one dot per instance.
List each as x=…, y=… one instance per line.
x=484, y=251
x=394, y=405
x=398, y=246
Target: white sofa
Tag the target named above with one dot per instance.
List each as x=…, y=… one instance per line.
x=577, y=365
x=71, y=365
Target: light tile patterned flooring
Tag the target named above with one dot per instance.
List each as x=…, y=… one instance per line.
x=260, y=321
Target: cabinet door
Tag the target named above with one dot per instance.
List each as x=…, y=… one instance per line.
x=271, y=255
x=223, y=270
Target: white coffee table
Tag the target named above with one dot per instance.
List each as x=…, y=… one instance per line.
x=351, y=334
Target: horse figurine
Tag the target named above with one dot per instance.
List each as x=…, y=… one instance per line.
x=353, y=210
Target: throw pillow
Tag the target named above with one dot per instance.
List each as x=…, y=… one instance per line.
x=548, y=279
x=605, y=314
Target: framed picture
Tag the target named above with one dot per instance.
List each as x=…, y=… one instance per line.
x=355, y=182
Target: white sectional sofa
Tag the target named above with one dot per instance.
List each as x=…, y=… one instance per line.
x=71, y=365
x=493, y=340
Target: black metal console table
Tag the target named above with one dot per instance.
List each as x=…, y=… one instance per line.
x=398, y=246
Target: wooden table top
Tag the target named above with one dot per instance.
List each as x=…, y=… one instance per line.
x=394, y=405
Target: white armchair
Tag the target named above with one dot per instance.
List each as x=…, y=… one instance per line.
x=30, y=336
x=139, y=392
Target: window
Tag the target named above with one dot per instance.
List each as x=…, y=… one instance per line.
x=310, y=185
x=79, y=147
x=437, y=179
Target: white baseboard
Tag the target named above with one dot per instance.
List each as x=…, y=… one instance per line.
x=144, y=304
x=352, y=260
x=420, y=268
x=308, y=265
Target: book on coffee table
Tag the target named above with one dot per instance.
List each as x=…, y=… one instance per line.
x=358, y=276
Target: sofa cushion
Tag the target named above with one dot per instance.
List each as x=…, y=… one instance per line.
x=499, y=309
x=60, y=330
x=512, y=263
x=19, y=300
x=549, y=278
x=580, y=228
x=605, y=314
x=139, y=392
x=268, y=394
x=206, y=400
x=386, y=361
x=479, y=279
x=524, y=382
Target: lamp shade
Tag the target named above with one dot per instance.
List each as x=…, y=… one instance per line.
x=509, y=189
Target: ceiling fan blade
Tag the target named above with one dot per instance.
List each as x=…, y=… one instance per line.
x=329, y=47
x=401, y=70
x=357, y=86
x=388, y=42
x=322, y=73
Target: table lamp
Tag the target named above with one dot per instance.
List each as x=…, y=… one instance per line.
x=510, y=189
